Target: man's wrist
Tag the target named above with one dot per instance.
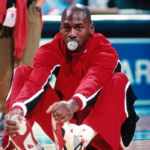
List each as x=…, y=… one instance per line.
x=18, y=108
x=75, y=105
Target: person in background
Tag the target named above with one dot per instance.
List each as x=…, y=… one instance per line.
x=118, y=6
x=95, y=6
x=100, y=7
x=18, y=41
x=57, y=7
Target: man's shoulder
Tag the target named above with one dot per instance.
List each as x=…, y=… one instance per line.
x=58, y=36
x=99, y=40
x=98, y=43
x=99, y=37
x=57, y=40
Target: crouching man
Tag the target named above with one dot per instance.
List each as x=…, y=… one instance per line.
x=91, y=102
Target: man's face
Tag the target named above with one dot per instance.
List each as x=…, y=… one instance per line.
x=75, y=26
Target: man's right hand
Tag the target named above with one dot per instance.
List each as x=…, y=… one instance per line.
x=11, y=127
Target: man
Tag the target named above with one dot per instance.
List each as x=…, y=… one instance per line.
x=90, y=90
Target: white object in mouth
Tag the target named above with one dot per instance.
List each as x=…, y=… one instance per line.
x=72, y=45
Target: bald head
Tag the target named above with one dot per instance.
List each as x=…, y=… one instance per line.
x=76, y=26
x=79, y=8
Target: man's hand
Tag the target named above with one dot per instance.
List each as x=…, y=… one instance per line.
x=64, y=110
x=11, y=127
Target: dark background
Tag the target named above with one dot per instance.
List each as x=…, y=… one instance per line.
x=109, y=28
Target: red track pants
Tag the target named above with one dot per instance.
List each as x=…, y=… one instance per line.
x=106, y=116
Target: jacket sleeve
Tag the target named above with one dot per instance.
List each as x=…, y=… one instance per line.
x=46, y=61
x=102, y=63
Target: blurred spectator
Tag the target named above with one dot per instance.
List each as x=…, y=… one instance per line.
x=98, y=3
x=56, y=7
x=18, y=41
x=118, y=6
x=100, y=7
x=96, y=6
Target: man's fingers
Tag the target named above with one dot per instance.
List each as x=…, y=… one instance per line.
x=12, y=128
x=12, y=133
x=10, y=122
x=62, y=120
x=51, y=107
x=6, y=117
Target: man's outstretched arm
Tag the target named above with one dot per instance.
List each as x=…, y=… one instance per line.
x=46, y=61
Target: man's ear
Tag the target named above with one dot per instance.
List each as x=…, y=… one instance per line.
x=91, y=28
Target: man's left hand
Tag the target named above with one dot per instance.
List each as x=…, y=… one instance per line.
x=64, y=110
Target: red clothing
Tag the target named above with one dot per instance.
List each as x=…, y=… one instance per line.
x=21, y=28
x=109, y=109
x=81, y=75
x=2, y=9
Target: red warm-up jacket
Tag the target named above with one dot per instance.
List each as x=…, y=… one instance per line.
x=79, y=75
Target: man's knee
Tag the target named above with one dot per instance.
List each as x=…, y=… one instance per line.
x=120, y=78
x=117, y=82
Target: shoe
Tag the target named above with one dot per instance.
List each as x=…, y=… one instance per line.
x=129, y=125
x=128, y=129
x=67, y=136
x=24, y=139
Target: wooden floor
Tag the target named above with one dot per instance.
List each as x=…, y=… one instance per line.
x=141, y=139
